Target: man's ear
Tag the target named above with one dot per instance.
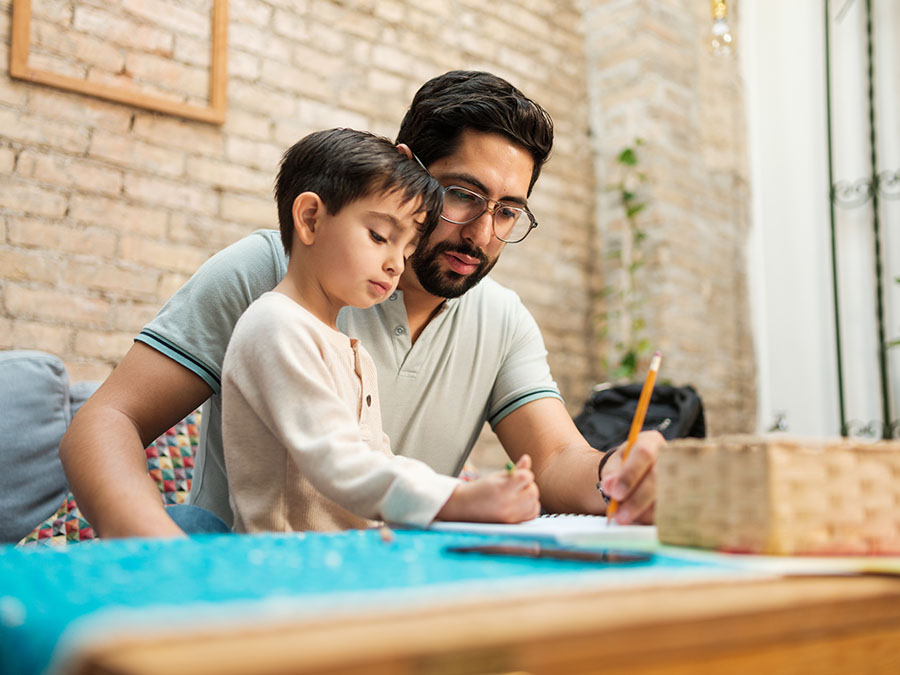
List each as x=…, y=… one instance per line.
x=307, y=210
x=403, y=148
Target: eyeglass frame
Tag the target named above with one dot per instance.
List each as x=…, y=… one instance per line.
x=487, y=207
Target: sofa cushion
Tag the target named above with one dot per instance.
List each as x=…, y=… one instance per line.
x=170, y=461
x=34, y=398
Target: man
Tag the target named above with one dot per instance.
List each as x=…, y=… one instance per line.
x=452, y=347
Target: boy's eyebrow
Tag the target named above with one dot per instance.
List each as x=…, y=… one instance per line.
x=382, y=215
x=471, y=180
x=393, y=221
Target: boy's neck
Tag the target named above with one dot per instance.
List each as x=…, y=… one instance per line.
x=305, y=293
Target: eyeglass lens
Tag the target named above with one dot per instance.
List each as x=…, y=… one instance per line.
x=511, y=223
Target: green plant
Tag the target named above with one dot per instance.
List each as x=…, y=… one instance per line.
x=623, y=320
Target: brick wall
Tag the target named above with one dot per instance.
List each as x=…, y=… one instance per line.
x=106, y=209
x=651, y=75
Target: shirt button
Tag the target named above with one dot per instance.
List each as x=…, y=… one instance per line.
x=393, y=296
x=369, y=399
x=399, y=330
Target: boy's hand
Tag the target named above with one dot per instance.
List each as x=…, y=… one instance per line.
x=501, y=497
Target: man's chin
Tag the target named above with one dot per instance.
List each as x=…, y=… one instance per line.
x=448, y=284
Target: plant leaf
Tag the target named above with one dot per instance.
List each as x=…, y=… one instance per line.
x=627, y=157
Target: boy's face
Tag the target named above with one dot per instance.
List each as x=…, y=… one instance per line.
x=456, y=257
x=362, y=249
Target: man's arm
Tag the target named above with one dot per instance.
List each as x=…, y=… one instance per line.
x=565, y=466
x=103, y=450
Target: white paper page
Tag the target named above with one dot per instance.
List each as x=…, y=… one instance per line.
x=562, y=528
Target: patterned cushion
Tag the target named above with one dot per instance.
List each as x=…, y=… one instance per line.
x=170, y=461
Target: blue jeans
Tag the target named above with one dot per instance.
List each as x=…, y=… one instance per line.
x=196, y=520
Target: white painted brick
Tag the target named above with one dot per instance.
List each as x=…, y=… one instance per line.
x=24, y=334
x=260, y=99
x=193, y=51
x=291, y=25
x=7, y=160
x=174, y=194
x=228, y=176
x=263, y=156
x=31, y=130
x=66, y=171
x=249, y=11
x=161, y=255
x=195, y=137
x=95, y=241
x=243, y=66
x=85, y=49
x=122, y=31
x=242, y=124
x=23, y=265
x=56, y=306
x=79, y=110
x=172, y=15
x=103, y=345
x=259, y=42
x=117, y=214
x=168, y=74
x=252, y=211
x=31, y=199
x=114, y=279
x=132, y=315
x=127, y=151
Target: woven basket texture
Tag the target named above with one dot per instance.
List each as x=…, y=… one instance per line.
x=780, y=495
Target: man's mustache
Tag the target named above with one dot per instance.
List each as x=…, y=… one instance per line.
x=447, y=247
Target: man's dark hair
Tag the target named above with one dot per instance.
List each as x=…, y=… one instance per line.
x=447, y=105
x=343, y=165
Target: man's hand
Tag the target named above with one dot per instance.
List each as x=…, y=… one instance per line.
x=633, y=483
x=501, y=497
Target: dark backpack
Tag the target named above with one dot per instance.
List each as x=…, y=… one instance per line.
x=676, y=412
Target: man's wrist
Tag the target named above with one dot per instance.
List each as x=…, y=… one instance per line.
x=603, y=460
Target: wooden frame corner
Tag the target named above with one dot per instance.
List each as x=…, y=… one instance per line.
x=214, y=113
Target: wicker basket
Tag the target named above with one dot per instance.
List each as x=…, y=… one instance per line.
x=772, y=494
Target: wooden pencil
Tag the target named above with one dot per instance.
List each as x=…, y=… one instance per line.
x=637, y=422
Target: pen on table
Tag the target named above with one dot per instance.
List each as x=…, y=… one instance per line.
x=637, y=421
x=510, y=468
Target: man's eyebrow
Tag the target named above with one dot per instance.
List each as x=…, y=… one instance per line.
x=482, y=188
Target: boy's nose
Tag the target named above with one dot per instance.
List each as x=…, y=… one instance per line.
x=393, y=264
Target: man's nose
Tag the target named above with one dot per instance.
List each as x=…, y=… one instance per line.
x=479, y=232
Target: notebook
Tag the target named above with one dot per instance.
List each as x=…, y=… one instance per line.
x=559, y=527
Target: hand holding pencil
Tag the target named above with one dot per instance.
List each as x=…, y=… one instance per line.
x=619, y=485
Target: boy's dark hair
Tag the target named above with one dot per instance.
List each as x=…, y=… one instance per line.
x=466, y=99
x=343, y=165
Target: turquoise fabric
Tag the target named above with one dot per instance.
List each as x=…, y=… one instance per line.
x=52, y=600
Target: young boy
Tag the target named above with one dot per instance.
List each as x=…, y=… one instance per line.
x=303, y=444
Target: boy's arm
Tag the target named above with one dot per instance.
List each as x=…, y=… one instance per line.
x=565, y=465
x=103, y=450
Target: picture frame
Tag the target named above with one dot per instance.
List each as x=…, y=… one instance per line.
x=214, y=113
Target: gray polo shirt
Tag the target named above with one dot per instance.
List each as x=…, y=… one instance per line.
x=480, y=358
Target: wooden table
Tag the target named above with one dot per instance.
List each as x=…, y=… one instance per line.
x=797, y=625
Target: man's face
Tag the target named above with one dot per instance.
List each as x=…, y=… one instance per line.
x=456, y=257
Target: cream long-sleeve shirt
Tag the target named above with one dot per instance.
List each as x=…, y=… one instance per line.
x=303, y=443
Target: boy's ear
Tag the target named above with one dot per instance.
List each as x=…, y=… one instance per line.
x=307, y=210
x=403, y=149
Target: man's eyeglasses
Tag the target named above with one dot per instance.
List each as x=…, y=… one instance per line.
x=511, y=224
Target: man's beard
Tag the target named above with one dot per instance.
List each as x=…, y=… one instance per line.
x=448, y=284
